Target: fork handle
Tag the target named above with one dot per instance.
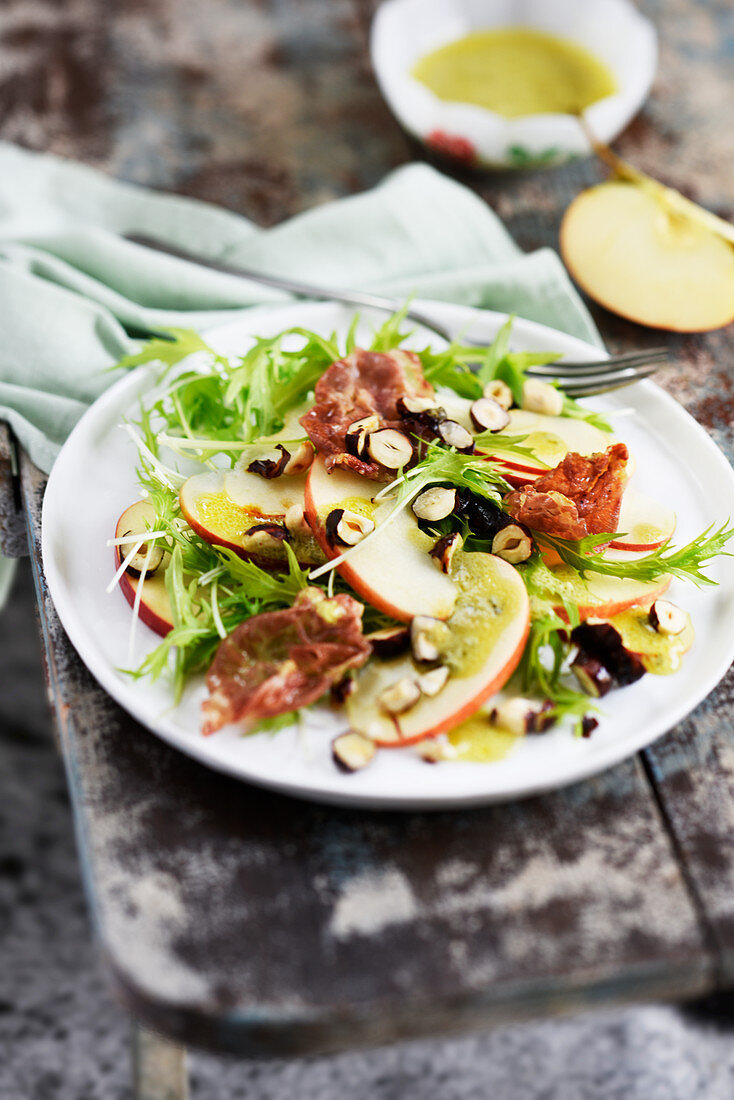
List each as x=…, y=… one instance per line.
x=293, y=286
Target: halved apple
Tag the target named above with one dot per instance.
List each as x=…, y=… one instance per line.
x=393, y=570
x=155, y=606
x=634, y=248
x=486, y=638
x=221, y=506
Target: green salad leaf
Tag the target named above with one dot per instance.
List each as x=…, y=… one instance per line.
x=686, y=562
x=221, y=405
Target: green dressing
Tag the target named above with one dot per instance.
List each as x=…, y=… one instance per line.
x=479, y=741
x=361, y=506
x=484, y=608
x=516, y=71
x=661, y=654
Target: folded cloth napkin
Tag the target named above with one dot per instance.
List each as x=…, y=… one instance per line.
x=75, y=294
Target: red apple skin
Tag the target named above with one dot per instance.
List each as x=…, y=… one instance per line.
x=160, y=620
x=515, y=473
x=536, y=471
x=611, y=608
x=517, y=479
x=472, y=705
x=274, y=563
x=350, y=573
x=638, y=547
x=151, y=618
x=463, y=695
x=271, y=564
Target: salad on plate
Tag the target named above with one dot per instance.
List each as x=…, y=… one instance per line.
x=448, y=552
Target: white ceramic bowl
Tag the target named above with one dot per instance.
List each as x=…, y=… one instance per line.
x=613, y=30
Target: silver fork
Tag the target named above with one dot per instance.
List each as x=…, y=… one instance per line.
x=578, y=379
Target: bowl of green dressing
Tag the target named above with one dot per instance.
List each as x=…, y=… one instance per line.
x=504, y=83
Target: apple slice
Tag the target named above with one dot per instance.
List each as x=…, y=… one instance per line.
x=605, y=596
x=393, y=570
x=486, y=638
x=646, y=524
x=550, y=438
x=222, y=506
x=642, y=255
x=155, y=606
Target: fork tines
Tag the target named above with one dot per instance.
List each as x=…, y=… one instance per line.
x=601, y=375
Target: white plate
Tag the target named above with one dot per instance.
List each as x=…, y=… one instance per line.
x=94, y=480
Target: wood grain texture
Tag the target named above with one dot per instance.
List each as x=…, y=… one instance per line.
x=242, y=920
x=13, y=531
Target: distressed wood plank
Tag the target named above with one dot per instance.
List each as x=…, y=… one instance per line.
x=159, y=1067
x=679, y=137
x=13, y=531
x=249, y=921
x=243, y=920
x=693, y=771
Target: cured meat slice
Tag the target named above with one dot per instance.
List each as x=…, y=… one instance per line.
x=580, y=496
x=281, y=660
x=362, y=384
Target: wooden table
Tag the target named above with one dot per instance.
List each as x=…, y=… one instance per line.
x=240, y=920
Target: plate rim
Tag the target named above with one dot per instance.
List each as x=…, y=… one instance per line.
x=572, y=772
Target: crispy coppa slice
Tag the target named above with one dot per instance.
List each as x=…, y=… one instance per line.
x=581, y=496
x=361, y=384
x=279, y=661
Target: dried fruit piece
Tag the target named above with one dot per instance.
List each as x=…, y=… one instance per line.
x=603, y=642
x=594, y=677
x=270, y=467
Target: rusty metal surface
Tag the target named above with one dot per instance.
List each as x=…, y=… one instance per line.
x=247, y=921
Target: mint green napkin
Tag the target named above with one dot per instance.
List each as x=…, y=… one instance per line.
x=74, y=293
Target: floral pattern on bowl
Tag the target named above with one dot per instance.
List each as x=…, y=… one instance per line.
x=613, y=30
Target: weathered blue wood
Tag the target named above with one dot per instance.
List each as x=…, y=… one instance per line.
x=246, y=921
x=13, y=532
x=238, y=919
